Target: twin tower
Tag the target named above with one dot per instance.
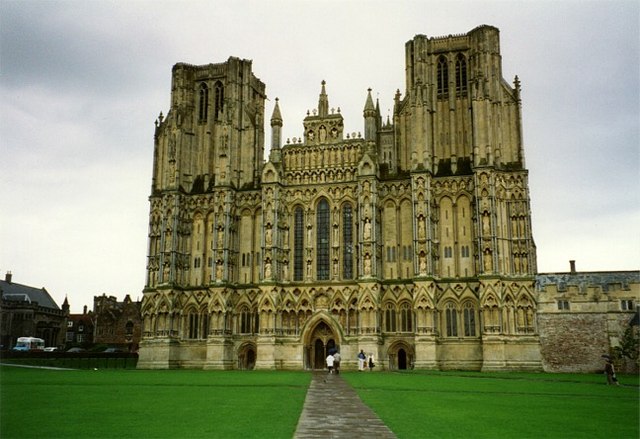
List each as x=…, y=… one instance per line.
x=411, y=241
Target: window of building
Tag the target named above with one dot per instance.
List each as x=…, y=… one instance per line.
x=80, y=338
x=323, y=240
x=128, y=328
x=469, y=315
x=70, y=324
x=448, y=252
x=390, y=318
x=451, y=320
x=461, y=74
x=203, y=104
x=627, y=305
x=406, y=318
x=443, y=77
x=193, y=325
x=246, y=320
x=464, y=250
x=563, y=304
x=347, y=238
x=298, y=244
x=219, y=100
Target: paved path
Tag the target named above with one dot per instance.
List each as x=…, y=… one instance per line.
x=332, y=409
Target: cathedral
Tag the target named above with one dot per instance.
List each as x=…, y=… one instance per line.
x=410, y=240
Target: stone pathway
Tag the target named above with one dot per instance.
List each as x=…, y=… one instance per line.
x=332, y=409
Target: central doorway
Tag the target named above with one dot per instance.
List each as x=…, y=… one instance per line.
x=322, y=341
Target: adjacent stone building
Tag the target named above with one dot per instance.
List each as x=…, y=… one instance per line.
x=410, y=239
x=582, y=315
x=117, y=324
x=29, y=312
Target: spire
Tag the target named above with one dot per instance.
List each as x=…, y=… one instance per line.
x=276, y=117
x=323, y=103
x=370, y=128
x=276, y=127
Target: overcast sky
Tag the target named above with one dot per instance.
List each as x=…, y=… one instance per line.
x=81, y=83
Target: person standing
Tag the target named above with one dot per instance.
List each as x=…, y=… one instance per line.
x=610, y=371
x=336, y=362
x=361, y=360
x=371, y=363
x=330, y=361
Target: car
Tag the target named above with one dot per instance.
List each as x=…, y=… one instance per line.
x=50, y=349
x=75, y=350
x=112, y=350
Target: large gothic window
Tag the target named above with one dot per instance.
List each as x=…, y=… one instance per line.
x=298, y=244
x=461, y=74
x=390, y=318
x=248, y=321
x=203, y=103
x=469, y=314
x=406, y=318
x=323, y=240
x=451, y=320
x=347, y=238
x=219, y=100
x=443, y=76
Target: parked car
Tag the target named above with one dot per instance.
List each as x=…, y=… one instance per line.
x=50, y=349
x=112, y=350
x=75, y=350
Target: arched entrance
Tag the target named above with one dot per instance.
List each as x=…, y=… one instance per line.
x=321, y=341
x=247, y=357
x=402, y=359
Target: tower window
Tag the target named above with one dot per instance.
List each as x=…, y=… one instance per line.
x=219, y=100
x=443, y=77
x=203, y=104
x=461, y=74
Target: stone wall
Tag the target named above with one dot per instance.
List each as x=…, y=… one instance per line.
x=573, y=342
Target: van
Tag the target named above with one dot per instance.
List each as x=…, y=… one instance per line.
x=29, y=344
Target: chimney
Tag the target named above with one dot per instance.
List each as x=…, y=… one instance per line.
x=84, y=311
x=7, y=277
x=572, y=263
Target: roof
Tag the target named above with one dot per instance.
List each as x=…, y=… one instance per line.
x=23, y=293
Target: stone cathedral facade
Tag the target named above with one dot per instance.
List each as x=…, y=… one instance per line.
x=410, y=240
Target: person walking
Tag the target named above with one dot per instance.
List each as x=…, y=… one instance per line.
x=336, y=362
x=330, y=361
x=371, y=363
x=362, y=358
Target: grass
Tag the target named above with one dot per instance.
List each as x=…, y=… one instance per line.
x=37, y=403
x=260, y=404
x=501, y=405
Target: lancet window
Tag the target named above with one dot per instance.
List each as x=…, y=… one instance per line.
x=461, y=74
x=323, y=240
x=203, y=103
x=347, y=238
x=219, y=100
x=298, y=244
x=443, y=76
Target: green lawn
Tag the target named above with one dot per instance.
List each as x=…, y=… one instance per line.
x=37, y=403
x=235, y=404
x=501, y=405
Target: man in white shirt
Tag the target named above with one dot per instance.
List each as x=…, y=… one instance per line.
x=330, y=361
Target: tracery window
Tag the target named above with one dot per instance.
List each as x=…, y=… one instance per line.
x=461, y=74
x=451, y=320
x=406, y=318
x=390, y=318
x=347, y=238
x=219, y=100
x=247, y=321
x=469, y=315
x=197, y=325
x=203, y=104
x=298, y=244
x=443, y=77
x=322, y=217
